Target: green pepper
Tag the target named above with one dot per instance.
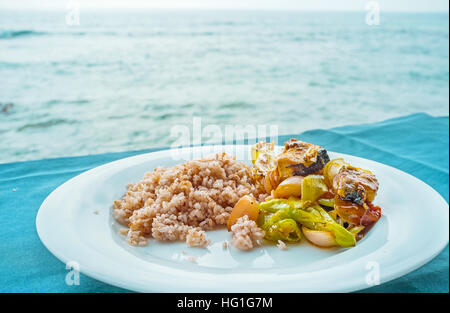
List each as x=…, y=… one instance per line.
x=281, y=204
x=344, y=238
x=285, y=230
x=308, y=217
x=313, y=186
x=326, y=202
x=274, y=205
x=272, y=218
x=356, y=230
x=314, y=217
x=277, y=224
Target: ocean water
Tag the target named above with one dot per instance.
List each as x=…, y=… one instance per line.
x=121, y=79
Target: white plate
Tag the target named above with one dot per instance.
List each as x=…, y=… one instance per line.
x=75, y=223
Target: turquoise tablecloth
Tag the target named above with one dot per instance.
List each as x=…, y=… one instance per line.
x=417, y=144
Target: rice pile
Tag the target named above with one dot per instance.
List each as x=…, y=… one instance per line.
x=181, y=202
x=246, y=234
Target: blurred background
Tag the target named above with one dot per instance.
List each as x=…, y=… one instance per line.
x=120, y=74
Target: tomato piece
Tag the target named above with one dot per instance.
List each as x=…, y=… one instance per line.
x=245, y=206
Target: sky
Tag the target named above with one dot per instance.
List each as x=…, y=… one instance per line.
x=334, y=5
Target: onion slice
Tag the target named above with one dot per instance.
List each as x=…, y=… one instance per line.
x=319, y=238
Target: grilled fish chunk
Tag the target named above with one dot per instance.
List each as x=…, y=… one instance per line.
x=355, y=185
x=350, y=183
x=301, y=158
x=264, y=169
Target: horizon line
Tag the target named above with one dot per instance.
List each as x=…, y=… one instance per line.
x=216, y=9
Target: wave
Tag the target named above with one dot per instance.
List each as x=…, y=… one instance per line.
x=11, y=34
x=8, y=34
x=45, y=124
x=236, y=104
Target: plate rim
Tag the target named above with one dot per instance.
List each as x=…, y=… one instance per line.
x=130, y=286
